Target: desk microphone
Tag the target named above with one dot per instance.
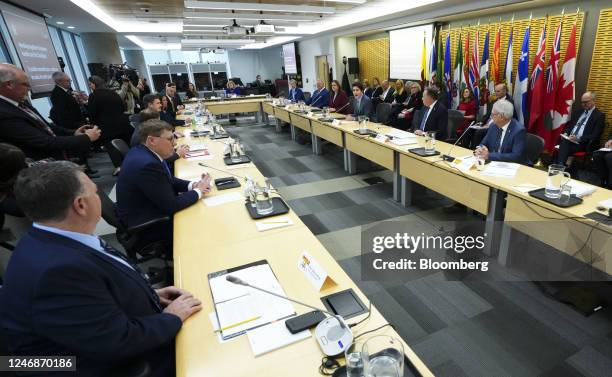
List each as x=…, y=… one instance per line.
x=315, y=101
x=449, y=157
x=345, y=105
x=334, y=337
x=222, y=171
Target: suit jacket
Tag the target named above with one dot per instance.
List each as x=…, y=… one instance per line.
x=368, y=92
x=65, y=110
x=21, y=130
x=389, y=97
x=376, y=92
x=296, y=95
x=490, y=108
x=400, y=98
x=592, y=129
x=339, y=102
x=146, y=190
x=364, y=108
x=513, y=145
x=436, y=121
x=105, y=109
x=319, y=98
x=61, y=297
x=170, y=117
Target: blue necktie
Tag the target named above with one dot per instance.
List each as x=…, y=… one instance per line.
x=580, y=123
x=116, y=253
x=497, y=145
x=167, y=169
x=422, y=125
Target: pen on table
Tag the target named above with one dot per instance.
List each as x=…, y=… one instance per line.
x=275, y=222
x=239, y=323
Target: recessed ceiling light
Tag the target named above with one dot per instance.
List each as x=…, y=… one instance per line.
x=70, y=27
x=60, y=22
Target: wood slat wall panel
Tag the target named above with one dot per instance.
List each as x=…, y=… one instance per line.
x=373, y=58
x=601, y=68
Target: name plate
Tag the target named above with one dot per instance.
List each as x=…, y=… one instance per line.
x=316, y=275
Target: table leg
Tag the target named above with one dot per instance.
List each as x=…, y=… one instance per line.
x=293, y=132
x=504, y=245
x=317, y=144
x=494, y=220
x=279, y=125
x=350, y=161
x=407, y=191
x=397, y=178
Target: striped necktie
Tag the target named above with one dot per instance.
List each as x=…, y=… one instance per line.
x=39, y=121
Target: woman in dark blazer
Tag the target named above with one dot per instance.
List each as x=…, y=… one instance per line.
x=338, y=101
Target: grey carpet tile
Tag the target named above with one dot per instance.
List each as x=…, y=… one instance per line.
x=589, y=362
x=562, y=369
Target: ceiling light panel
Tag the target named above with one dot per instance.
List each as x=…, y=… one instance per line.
x=218, y=5
x=249, y=16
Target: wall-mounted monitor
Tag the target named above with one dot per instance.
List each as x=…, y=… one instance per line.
x=289, y=59
x=406, y=49
x=34, y=48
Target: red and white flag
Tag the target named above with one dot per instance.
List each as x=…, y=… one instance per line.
x=536, y=86
x=566, y=92
x=551, y=90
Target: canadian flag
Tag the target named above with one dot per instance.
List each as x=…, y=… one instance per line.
x=566, y=91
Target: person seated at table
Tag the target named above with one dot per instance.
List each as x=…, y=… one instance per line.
x=167, y=115
x=258, y=83
x=67, y=292
x=376, y=89
x=191, y=92
x=603, y=163
x=505, y=141
x=338, y=100
x=585, y=126
x=319, y=97
x=361, y=104
x=467, y=106
x=386, y=94
x=174, y=100
x=295, y=94
x=367, y=88
x=12, y=161
x=403, y=118
x=147, y=190
x=231, y=89
x=433, y=116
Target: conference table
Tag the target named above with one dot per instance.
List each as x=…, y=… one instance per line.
x=214, y=238
x=238, y=104
x=500, y=199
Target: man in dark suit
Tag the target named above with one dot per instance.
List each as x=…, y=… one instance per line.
x=501, y=92
x=360, y=103
x=433, y=115
x=66, y=292
x=603, y=163
x=320, y=97
x=585, y=126
x=295, y=93
x=147, y=190
x=505, y=141
x=65, y=110
x=386, y=94
x=175, y=105
x=24, y=127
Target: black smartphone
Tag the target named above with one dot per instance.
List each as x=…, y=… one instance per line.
x=304, y=321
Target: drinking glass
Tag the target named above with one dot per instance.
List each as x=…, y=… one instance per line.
x=383, y=356
x=565, y=194
x=557, y=178
x=263, y=201
x=430, y=142
x=354, y=359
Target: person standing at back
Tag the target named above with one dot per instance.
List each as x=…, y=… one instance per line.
x=65, y=110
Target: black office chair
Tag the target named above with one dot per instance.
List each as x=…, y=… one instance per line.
x=383, y=110
x=307, y=96
x=534, y=145
x=130, y=240
x=455, y=118
x=416, y=119
x=121, y=149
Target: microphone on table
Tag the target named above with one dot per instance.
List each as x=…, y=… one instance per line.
x=332, y=339
x=342, y=108
x=222, y=171
x=449, y=157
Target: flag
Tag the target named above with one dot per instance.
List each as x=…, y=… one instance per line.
x=484, y=75
x=522, y=79
x=466, y=61
x=447, y=72
x=423, y=63
x=457, y=75
x=566, y=89
x=440, y=67
x=495, y=60
x=552, y=73
x=474, y=77
x=536, y=87
x=433, y=61
x=508, y=65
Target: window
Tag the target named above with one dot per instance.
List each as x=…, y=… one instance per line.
x=81, y=50
x=75, y=62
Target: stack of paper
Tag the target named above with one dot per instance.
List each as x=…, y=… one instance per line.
x=501, y=169
x=273, y=336
x=581, y=189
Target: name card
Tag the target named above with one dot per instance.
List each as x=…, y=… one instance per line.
x=251, y=95
x=213, y=97
x=382, y=138
x=336, y=122
x=315, y=274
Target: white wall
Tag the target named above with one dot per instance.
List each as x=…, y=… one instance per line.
x=308, y=51
x=345, y=46
x=247, y=64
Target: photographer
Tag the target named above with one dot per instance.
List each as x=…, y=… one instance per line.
x=129, y=95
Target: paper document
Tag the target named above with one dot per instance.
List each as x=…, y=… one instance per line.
x=406, y=141
x=568, y=139
x=212, y=316
x=217, y=200
x=501, y=169
x=581, y=189
x=606, y=203
x=400, y=134
x=273, y=223
x=525, y=187
x=273, y=336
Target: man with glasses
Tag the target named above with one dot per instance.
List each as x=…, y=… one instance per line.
x=65, y=110
x=506, y=140
x=585, y=127
x=146, y=188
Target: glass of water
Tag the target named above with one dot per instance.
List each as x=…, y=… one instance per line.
x=263, y=201
x=354, y=360
x=430, y=142
x=383, y=356
x=566, y=193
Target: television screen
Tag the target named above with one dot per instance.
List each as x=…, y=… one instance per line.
x=289, y=59
x=34, y=47
x=406, y=49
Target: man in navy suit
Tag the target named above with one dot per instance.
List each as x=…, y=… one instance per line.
x=433, y=115
x=506, y=140
x=320, y=97
x=146, y=188
x=295, y=93
x=66, y=292
x=361, y=104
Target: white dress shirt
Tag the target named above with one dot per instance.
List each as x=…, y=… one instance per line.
x=191, y=184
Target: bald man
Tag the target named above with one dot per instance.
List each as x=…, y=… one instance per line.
x=65, y=110
x=320, y=97
x=25, y=128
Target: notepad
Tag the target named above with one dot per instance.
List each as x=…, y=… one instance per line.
x=217, y=200
x=273, y=336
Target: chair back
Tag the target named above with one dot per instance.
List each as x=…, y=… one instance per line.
x=307, y=96
x=108, y=211
x=455, y=118
x=534, y=145
x=383, y=110
x=121, y=147
x=416, y=118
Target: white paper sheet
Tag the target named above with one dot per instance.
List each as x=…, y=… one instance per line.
x=218, y=200
x=501, y=169
x=581, y=189
x=273, y=336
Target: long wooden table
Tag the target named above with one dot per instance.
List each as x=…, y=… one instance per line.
x=208, y=239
